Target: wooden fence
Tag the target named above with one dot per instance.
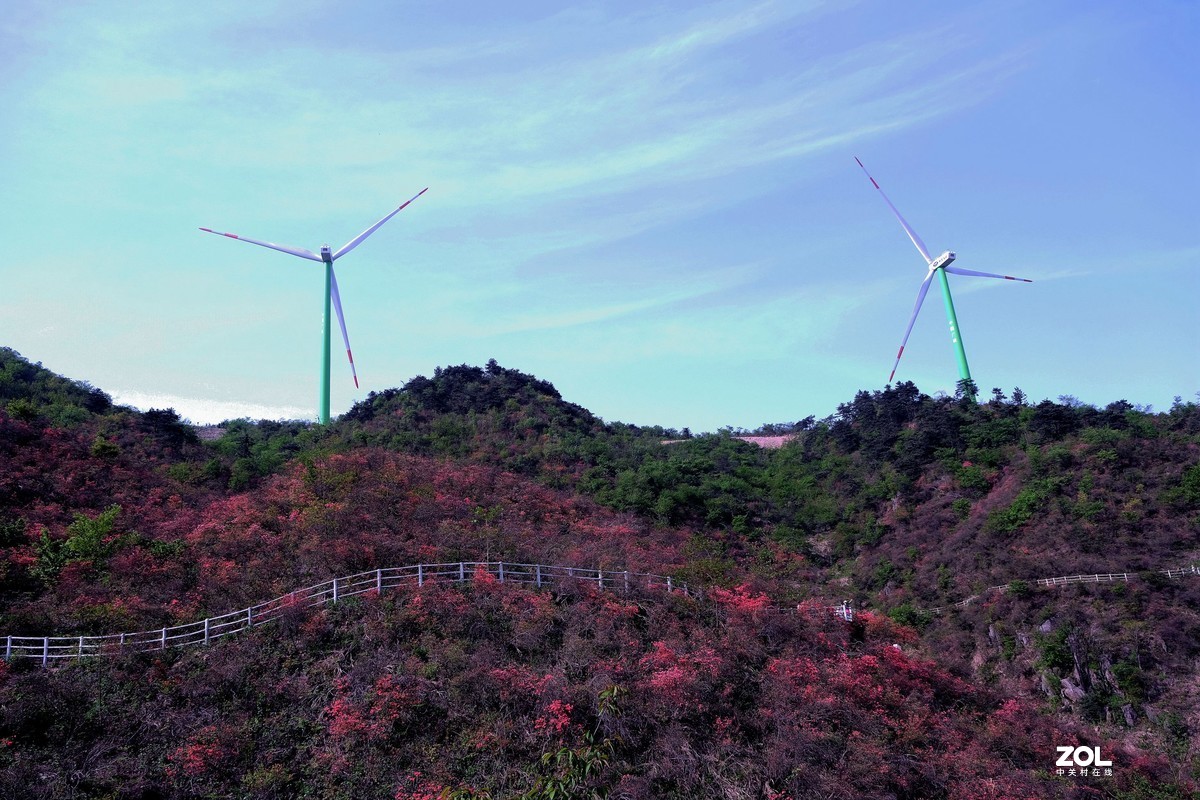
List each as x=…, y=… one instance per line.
x=50, y=648
x=1106, y=577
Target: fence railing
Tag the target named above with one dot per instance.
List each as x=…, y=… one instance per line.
x=1103, y=577
x=51, y=648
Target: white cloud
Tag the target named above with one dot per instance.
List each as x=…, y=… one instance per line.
x=204, y=411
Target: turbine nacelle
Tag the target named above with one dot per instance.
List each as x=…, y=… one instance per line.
x=327, y=254
x=941, y=261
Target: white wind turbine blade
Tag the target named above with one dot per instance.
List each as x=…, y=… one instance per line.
x=916, y=310
x=295, y=251
x=907, y=228
x=357, y=240
x=337, y=307
x=961, y=271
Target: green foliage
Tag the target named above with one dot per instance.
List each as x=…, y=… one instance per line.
x=1141, y=424
x=944, y=578
x=187, y=472
x=991, y=434
x=65, y=415
x=1186, y=494
x=1028, y=503
x=22, y=409
x=1008, y=646
x=1019, y=589
x=1102, y=437
x=884, y=572
x=166, y=426
x=12, y=531
x=568, y=771
x=961, y=507
x=910, y=615
x=88, y=538
x=250, y=451
x=1095, y=703
x=707, y=564
x=973, y=479
x=1055, y=651
x=103, y=447
x=51, y=557
x=1131, y=679
x=29, y=390
x=166, y=550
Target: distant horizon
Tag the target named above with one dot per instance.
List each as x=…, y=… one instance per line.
x=200, y=412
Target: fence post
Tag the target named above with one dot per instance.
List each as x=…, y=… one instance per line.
x=80, y=647
x=45, y=651
x=163, y=642
x=500, y=564
x=206, y=630
x=379, y=581
x=669, y=587
x=250, y=617
x=626, y=581
x=538, y=571
x=8, y=650
x=462, y=572
x=420, y=574
x=335, y=597
x=600, y=579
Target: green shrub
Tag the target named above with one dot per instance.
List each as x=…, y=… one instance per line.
x=1019, y=589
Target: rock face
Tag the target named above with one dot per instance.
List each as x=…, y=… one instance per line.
x=1127, y=710
x=1071, y=691
x=1046, y=627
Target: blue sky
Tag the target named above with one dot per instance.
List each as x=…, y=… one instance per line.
x=655, y=206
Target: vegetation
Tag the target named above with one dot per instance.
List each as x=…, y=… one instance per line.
x=113, y=520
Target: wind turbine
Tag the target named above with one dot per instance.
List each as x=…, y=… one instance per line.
x=939, y=266
x=328, y=256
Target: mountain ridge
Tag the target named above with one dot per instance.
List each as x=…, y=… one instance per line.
x=899, y=502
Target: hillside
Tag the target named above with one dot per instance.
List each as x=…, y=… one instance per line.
x=112, y=520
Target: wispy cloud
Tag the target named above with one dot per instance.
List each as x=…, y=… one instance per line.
x=645, y=110
x=520, y=317
x=575, y=160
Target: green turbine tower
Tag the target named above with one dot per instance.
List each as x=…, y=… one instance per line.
x=332, y=297
x=937, y=266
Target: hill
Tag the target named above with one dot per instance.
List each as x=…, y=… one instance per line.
x=112, y=520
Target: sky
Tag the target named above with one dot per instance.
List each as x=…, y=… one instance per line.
x=653, y=205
